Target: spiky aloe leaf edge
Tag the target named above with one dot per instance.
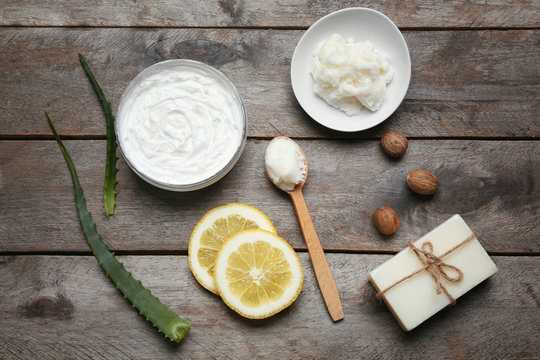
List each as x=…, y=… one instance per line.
x=174, y=327
x=109, y=187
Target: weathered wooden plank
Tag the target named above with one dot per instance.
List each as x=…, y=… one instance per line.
x=492, y=184
x=464, y=83
x=252, y=13
x=64, y=307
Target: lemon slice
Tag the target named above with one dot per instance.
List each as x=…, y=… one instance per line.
x=213, y=229
x=258, y=274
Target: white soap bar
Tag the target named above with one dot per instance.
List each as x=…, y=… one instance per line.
x=415, y=300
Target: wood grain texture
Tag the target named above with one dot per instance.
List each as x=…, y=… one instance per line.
x=253, y=13
x=492, y=184
x=464, y=83
x=64, y=307
x=323, y=273
x=471, y=115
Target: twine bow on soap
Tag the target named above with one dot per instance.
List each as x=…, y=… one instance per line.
x=435, y=266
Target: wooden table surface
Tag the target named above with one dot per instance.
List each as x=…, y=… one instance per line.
x=471, y=116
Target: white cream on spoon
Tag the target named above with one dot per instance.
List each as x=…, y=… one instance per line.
x=285, y=163
x=287, y=168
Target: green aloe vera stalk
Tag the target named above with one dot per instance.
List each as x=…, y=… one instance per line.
x=109, y=189
x=174, y=327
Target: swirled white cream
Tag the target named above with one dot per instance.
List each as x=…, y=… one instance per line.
x=285, y=163
x=350, y=75
x=180, y=125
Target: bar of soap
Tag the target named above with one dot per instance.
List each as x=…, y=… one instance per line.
x=415, y=300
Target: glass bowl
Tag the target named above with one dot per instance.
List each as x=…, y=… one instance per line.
x=144, y=171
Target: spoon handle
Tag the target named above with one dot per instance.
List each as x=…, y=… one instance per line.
x=326, y=281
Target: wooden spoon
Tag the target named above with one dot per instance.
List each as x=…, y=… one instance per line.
x=322, y=270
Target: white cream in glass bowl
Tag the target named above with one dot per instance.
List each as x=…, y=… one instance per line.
x=181, y=125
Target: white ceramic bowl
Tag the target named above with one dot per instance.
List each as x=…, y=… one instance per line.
x=199, y=67
x=361, y=24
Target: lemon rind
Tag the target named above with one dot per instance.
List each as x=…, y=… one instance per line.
x=201, y=274
x=291, y=256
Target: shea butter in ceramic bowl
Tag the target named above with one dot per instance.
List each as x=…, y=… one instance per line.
x=363, y=32
x=181, y=125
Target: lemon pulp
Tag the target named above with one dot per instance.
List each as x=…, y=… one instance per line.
x=213, y=229
x=213, y=238
x=258, y=274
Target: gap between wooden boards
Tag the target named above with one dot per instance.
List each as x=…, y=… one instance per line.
x=184, y=252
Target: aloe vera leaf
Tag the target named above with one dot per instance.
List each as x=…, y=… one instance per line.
x=109, y=188
x=174, y=327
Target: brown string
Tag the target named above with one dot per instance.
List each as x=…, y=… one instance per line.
x=434, y=266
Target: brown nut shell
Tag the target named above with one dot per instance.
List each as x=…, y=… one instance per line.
x=386, y=220
x=422, y=182
x=394, y=143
